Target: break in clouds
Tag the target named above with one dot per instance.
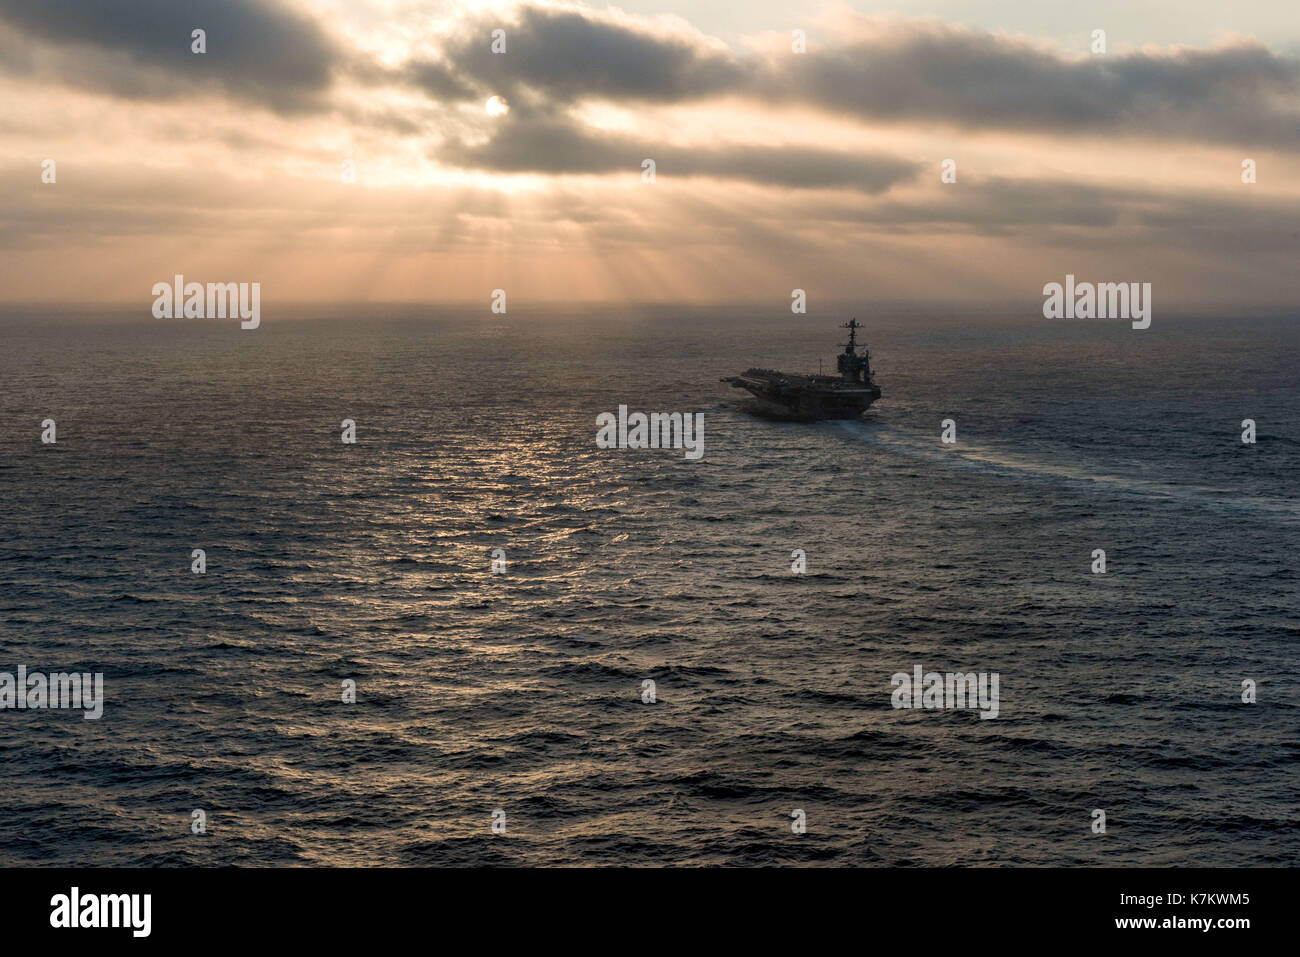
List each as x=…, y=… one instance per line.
x=764, y=157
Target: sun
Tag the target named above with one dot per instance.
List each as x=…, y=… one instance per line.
x=497, y=106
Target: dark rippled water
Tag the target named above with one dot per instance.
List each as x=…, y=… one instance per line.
x=523, y=692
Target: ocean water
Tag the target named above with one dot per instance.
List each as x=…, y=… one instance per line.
x=522, y=692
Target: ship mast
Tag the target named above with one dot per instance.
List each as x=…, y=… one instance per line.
x=853, y=326
x=853, y=368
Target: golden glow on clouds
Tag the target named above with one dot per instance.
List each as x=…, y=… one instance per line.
x=210, y=186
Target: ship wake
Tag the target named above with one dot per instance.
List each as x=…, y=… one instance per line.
x=991, y=461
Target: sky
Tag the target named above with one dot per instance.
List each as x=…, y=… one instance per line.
x=352, y=150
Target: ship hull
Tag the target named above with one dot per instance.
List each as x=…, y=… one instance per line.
x=807, y=398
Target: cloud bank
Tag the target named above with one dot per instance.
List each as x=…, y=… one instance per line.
x=764, y=157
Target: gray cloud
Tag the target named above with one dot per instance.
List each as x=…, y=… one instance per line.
x=973, y=79
x=100, y=204
x=543, y=144
x=572, y=55
x=899, y=71
x=257, y=50
x=1076, y=215
x=437, y=79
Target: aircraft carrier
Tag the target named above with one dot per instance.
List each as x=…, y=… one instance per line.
x=843, y=396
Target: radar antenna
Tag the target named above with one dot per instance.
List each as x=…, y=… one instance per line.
x=853, y=326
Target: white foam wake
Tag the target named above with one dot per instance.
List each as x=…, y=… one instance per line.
x=966, y=456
